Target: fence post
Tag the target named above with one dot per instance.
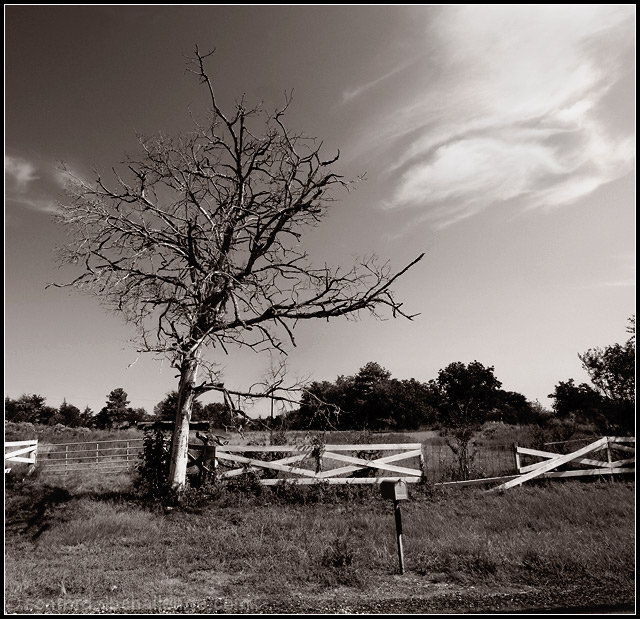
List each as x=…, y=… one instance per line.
x=423, y=466
x=516, y=457
x=609, y=460
x=66, y=460
x=127, y=454
x=97, y=454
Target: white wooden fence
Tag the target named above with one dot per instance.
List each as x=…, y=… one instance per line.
x=23, y=451
x=330, y=464
x=618, y=461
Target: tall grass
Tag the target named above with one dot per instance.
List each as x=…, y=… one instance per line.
x=103, y=549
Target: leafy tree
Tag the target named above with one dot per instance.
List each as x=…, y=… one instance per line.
x=410, y=405
x=69, y=415
x=166, y=409
x=218, y=414
x=116, y=411
x=610, y=403
x=513, y=408
x=612, y=372
x=467, y=394
x=30, y=408
x=136, y=415
x=88, y=417
x=197, y=243
x=581, y=400
x=369, y=400
x=323, y=406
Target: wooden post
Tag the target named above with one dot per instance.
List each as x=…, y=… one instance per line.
x=66, y=460
x=398, y=517
x=127, y=454
x=609, y=460
x=396, y=490
x=97, y=454
x=516, y=457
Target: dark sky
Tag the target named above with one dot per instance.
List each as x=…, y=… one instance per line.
x=501, y=140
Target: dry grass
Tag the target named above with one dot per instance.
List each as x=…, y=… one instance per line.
x=84, y=550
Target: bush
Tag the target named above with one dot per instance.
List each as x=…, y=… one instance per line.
x=153, y=470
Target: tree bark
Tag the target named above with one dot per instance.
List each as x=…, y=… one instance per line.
x=180, y=441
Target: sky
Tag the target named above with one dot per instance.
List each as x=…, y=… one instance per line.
x=500, y=140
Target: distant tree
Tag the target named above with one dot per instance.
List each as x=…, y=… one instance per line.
x=137, y=415
x=371, y=399
x=30, y=408
x=88, y=417
x=467, y=394
x=69, y=415
x=166, y=409
x=512, y=407
x=580, y=400
x=410, y=405
x=323, y=406
x=218, y=414
x=612, y=372
x=115, y=412
x=197, y=243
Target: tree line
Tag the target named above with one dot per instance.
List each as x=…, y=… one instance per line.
x=460, y=399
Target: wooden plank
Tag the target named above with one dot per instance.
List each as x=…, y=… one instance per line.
x=587, y=472
x=375, y=447
x=21, y=459
x=380, y=463
x=583, y=461
x=352, y=469
x=236, y=472
x=20, y=452
x=622, y=439
x=338, y=480
x=265, y=465
x=168, y=425
x=373, y=463
x=546, y=454
x=33, y=442
x=309, y=448
x=268, y=448
x=553, y=463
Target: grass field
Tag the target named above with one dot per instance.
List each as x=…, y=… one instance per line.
x=97, y=548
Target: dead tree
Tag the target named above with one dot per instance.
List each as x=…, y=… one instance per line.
x=197, y=243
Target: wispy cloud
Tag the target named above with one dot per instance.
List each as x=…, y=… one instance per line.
x=31, y=185
x=520, y=111
x=350, y=95
x=18, y=173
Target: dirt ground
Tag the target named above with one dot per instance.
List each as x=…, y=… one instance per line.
x=406, y=594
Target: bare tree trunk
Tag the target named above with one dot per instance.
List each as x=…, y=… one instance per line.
x=180, y=440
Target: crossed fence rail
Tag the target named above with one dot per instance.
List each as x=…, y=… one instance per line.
x=23, y=452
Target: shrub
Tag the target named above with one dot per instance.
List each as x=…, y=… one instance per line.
x=153, y=470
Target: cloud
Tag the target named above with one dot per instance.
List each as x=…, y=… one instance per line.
x=26, y=189
x=519, y=111
x=19, y=173
x=350, y=95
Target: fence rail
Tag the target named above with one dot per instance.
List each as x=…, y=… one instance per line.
x=436, y=460
x=329, y=464
x=113, y=456
x=24, y=452
x=564, y=465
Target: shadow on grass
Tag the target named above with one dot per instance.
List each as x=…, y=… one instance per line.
x=34, y=506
